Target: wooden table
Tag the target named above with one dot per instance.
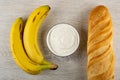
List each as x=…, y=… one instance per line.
x=73, y=12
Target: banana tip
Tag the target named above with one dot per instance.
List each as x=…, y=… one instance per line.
x=48, y=6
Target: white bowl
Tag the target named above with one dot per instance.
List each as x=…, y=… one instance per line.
x=63, y=40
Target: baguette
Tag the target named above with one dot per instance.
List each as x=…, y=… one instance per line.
x=100, y=52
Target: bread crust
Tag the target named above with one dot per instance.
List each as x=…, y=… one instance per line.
x=100, y=52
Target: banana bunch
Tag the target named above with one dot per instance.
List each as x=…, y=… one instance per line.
x=24, y=44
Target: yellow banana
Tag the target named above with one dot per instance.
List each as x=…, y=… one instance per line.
x=31, y=33
x=19, y=54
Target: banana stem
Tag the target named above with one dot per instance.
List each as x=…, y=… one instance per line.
x=50, y=66
x=53, y=67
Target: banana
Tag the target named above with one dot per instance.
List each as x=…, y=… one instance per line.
x=31, y=33
x=19, y=54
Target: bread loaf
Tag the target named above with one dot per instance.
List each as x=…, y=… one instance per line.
x=100, y=52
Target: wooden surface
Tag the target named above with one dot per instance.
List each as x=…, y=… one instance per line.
x=73, y=12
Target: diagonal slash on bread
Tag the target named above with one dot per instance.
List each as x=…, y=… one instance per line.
x=100, y=52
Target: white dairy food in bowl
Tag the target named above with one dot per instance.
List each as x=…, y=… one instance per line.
x=63, y=40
